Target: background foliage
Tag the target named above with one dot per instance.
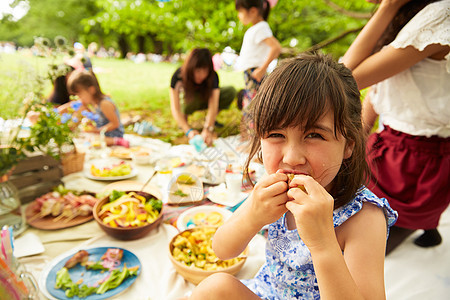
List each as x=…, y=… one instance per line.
x=150, y=26
x=179, y=25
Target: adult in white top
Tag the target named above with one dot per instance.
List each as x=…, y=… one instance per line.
x=410, y=158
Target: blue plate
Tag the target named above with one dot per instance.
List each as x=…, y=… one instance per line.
x=90, y=277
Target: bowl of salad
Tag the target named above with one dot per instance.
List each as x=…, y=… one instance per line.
x=128, y=215
x=193, y=258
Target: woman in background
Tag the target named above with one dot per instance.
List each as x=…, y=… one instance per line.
x=195, y=86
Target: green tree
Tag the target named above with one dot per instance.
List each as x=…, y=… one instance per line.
x=49, y=18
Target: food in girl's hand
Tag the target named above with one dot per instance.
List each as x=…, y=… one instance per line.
x=193, y=249
x=63, y=203
x=291, y=177
x=120, y=169
x=130, y=210
x=109, y=262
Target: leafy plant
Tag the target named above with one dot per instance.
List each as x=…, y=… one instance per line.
x=49, y=131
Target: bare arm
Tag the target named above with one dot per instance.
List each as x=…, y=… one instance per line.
x=359, y=273
x=369, y=115
x=232, y=238
x=275, y=50
x=363, y=45
x=175, y=108
x=348, y=260
x=369, y=69
x=109, y=110
x=265, y=205
x=390, y=61
x=213, y=109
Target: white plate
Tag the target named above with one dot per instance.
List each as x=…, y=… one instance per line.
x=221, y=195
x=88, y=174
x=184, y=217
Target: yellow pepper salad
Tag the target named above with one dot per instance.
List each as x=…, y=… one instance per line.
x=130, y=210
x=193, y=248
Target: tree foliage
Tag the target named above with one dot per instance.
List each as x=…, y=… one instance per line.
x=179, y=25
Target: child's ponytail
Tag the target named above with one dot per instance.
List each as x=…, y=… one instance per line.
x=263, y=6
x=265, y=10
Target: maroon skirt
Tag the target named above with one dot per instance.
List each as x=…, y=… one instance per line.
x=412, y=173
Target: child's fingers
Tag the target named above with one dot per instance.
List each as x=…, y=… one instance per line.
x=305, y=183
x=272, y=179
x=279, y=187
x=297, y=195
x=280, y=200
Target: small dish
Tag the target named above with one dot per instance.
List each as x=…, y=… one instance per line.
x=205, y=215
x=185, y=188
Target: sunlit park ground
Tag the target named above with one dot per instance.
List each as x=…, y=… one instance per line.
x=138, y=89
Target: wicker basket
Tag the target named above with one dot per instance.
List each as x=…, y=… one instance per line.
x=72, y=162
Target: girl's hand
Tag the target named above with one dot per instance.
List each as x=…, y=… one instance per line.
x=268, y=199
x=192, y=133
x=258, y=74
x=207, y=137
x=312, y=210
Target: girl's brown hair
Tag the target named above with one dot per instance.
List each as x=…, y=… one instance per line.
x=263, y=6
x=82, y=79
x=199, y=58
x=298, y=93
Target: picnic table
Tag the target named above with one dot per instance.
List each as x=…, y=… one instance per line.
x=410, y=272
x=158, y=278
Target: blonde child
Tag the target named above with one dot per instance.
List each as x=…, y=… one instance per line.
x=327, y=232
x=84, y=84
x=259, y=47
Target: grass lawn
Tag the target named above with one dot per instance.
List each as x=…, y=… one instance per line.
x=136, y=89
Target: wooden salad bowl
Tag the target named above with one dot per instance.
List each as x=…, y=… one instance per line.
x=126, y=233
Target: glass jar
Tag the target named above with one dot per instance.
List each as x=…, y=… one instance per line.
x=10, y=207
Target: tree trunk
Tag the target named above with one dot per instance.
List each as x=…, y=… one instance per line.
x=158, y=46
x=141, y=44
x=123, y=46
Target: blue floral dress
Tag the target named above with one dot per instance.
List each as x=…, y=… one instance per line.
x=288, y=272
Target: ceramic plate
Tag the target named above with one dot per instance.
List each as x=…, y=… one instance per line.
x=201, y=215
x=90, y=277
x=88, y=174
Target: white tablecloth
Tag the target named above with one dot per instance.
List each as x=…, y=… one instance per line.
x=410, y=272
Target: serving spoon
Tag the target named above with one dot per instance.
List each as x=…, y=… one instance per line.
x=148, y=180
